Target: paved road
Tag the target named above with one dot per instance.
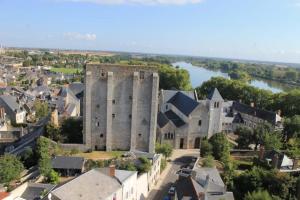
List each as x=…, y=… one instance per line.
x=168, y=177
x=29, y=139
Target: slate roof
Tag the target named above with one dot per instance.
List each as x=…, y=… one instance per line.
x=11, y=102
x=92, y=185
x=76, y=88
x=188, y=187
x=262, y=114
x=162, y=119
x=174, y=118
x=183, y=103
x=215, y=95
x=67, y=162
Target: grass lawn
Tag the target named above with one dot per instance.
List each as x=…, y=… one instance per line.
x=66, y=70
x=100, y=155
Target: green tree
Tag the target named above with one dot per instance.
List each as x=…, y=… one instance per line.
x=144, y=165
x=165, y=149
x=171, y=77
x=292, y=127
x=220, y=146
x=259, y=132
x=41, y=109
x=10, y=168
x=245, y=137
x=208, y=161
x=71, y=130
x=271, y=141
x=258, y=195
x=52, y=177
x=53, y=132
x=205, y=148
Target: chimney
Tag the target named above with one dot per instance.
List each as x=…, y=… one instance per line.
x=261, y=152
x=295, y=163
x=252, y=104
x=275, y=161
x=112, y=170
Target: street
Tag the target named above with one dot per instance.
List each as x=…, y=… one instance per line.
x=168, y=177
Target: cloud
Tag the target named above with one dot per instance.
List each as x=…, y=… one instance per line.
x=80, y=36
x=140, y=2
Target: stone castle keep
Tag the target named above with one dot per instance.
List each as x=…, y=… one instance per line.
x=120, y=107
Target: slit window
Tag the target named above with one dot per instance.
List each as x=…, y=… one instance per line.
x=114, y=101
x=113, y=115
x=200, y=122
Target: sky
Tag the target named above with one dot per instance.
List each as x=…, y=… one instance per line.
x=267, y=30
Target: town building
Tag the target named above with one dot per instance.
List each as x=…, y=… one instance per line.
x=68, y=165
x=183, y=119
x=13, y=109
x=120, y=107
x=104, y=183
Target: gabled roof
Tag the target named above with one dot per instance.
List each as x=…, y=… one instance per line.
x=92, y=185
x=188, y=187
x=67, y=162
x=215, y=95
x=262, y=114
x=76, y=88
x=162, y=119
x=174, y=118
x=10, y=101
x=183, y=103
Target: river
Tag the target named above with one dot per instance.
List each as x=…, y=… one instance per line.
x=198, y=75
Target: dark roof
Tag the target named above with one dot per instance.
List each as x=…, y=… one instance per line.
x=76, y=88
x=174, y=118
x=238, y=119
x=262, y=114
x=67, y=162
x=183, y=103
x=162, y=119
x=11, y=102
x=215, y=95
x=187, y=187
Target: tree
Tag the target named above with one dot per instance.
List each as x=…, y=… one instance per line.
x=245, y=137
x=220, y=146
x=259, y=132
x=144, y=165
x=271, y=141
x=52, y=177
x=166, y=149
x=208, y=161
x=258, y=195
x=53, y=132
x=292, y=127
x=174, y=78
x=41, y=109
x=205, y=148
x=10, y=168
x=71, y=130
x=28, y=157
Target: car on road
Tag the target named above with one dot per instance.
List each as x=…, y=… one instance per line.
x=171, y=191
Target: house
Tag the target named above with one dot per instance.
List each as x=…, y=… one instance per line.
x=104, y=183
x=68, y=166
x=201, y=184
x=29, y=191
x=13, y=109
x=183, y=119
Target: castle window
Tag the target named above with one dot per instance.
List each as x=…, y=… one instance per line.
x=217, y=104
x=166, y=136
x=172, y=136
x=169, y=135
x=101, y=135
x=140, y=134
x=167, y=107
x=114, y=101
x=130, y=97
x=113, y=115
x=142, y=75
x=102, y=73
x=98, y=124
x=129, y=116
x=97, y=106
x=200, y=122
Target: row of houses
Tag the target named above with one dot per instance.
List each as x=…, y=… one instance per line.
x=98, y=183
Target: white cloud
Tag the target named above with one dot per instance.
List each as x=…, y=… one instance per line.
x=140, y=2
x=80, y=36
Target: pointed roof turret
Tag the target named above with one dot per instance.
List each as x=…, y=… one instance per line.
x=215, y=95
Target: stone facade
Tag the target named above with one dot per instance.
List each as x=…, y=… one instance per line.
x=120, y=106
